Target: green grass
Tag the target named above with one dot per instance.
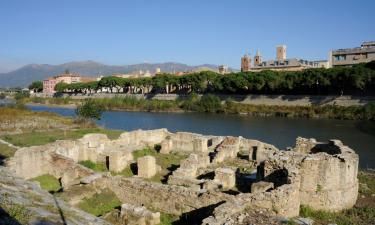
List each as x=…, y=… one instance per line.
x=127, y=172
x=41, y=138
x=359, y=216
x=100, y=204
x=167, y=219
x=14, y=212
x=98, y=167
x=147, y=151
x=367, y=183
x=6, y=151
x=48, y=182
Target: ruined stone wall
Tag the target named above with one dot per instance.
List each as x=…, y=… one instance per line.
x=188, y=142
x=171, y=199
x=31, y=162
x=329, y=182
x=142, y=137
x=282, y=201
x=39, y=160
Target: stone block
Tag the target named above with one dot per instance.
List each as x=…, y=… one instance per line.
x=226, y=177
x=138, y=215
x=166, y=146
x=146, y=166
x=200, y=145
x=261, y=186
x=119, y=160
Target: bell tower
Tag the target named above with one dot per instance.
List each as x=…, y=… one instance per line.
x=257, y=59
x=245, y=63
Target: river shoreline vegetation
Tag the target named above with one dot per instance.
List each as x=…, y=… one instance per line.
x=212, y=104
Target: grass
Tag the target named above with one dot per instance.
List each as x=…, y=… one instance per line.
x=359, y=216
x=167, y=219
x=15, y=113
x=6, y=151
x=13, y=214
x=127, y=172
x=48, y=183
x=18, y=119
x=41, y=138
x=101, y=203
x=367, y=183
x=98, y=167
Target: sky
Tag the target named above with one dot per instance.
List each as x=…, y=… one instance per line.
x=120, y=32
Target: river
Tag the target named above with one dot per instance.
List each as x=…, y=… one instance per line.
x=280, y=132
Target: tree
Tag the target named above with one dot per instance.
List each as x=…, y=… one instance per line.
x=36, y=86
x=210, y=103
x=61, y=87
x=90, y=110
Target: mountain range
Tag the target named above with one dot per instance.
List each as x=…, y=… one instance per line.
x=25, y=75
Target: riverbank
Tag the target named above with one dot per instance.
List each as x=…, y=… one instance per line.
x=212, y=104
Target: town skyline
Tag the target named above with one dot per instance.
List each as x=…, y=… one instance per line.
x=123, y=33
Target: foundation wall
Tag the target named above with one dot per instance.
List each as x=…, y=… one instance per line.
x=329, y=183
x=170, y=199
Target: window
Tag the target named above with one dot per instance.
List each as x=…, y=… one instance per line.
x=340, y=57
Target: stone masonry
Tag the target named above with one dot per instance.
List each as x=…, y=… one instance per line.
x=146, y=166
x=320, y=175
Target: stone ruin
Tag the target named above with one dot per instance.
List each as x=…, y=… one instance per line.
x=208, y=184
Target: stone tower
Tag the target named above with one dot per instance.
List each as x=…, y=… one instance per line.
x=257, y=59
x=281, y=52
x=245, y=63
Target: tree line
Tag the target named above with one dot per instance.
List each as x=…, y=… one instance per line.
x=356, y=80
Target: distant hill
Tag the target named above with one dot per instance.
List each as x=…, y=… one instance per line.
x=23, y=76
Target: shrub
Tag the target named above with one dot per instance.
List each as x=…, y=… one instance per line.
x=21, y=95
x=210, y=103
x=369, y=111
x=90, y=110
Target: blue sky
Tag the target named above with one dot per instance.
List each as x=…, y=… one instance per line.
x=191, y=31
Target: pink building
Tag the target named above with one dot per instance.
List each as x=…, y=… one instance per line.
x=50, y=83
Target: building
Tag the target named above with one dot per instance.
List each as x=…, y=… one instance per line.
x=223, y=69
x=49, y=85
x=281, y=63
x=158, y=71
x=293, y=64
x=352, y=56
x=257, y=59
x=245, y=63
x=281, y=52
x=68, y=78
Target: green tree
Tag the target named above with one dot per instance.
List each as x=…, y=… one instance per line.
x=36, y=86
x=210, y=103
x=62, y=87
x=90, y=110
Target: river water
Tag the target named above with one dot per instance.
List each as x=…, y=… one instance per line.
x=280, y=132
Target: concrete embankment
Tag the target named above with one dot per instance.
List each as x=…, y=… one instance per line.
x=280, y=100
